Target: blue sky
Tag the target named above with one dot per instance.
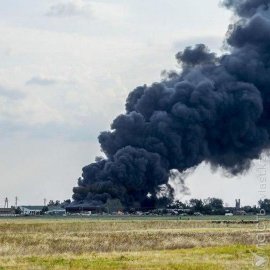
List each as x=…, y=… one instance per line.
x=66, y=68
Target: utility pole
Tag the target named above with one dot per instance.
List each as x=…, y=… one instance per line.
x=16, y=201
x=6, y=203
x=45, y=201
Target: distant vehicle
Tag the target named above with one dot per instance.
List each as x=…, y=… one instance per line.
x=198, y=214
x=229, y=214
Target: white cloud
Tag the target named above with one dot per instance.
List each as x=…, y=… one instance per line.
x=98, y=11
x=10, y=94
x=27, y=111
x=42, y=81
x=69, y=8
x=68, y=87
x=89, y=74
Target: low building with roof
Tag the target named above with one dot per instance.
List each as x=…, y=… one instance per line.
x=31, y=210
x=55, y=211
x=7, y=211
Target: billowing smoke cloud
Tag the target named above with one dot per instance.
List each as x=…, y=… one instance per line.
x=216, y=110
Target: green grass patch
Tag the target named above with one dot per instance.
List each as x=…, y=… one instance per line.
x=225, y=257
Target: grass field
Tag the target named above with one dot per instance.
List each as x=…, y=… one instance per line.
x=130, y=243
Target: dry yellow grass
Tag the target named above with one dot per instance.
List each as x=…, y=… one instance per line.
x=130, y=244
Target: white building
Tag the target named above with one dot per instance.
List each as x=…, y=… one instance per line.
x=31, y=210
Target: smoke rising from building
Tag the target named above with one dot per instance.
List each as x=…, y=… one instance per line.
x=216, y=110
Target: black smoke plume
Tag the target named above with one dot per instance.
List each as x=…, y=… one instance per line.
x=216, y=110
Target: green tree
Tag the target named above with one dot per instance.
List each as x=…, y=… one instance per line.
x=44, y=210
x=18, y=211
x=196, y=205
x=265, y=205
x=51, y=203
x=57, y=203
x=178, y=204
x=214, y=206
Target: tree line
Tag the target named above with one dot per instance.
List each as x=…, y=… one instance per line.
x=215, y=206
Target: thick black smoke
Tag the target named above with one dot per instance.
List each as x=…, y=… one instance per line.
x=216, y=110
